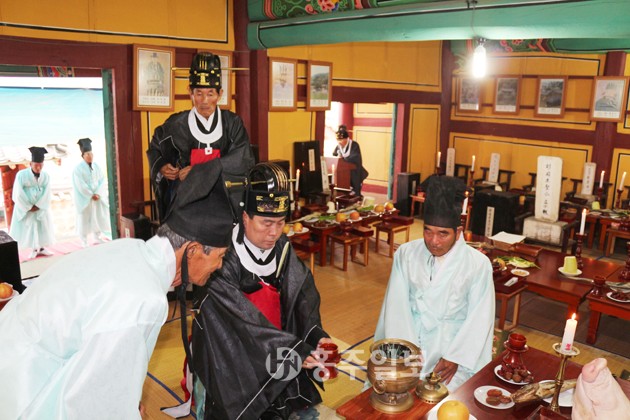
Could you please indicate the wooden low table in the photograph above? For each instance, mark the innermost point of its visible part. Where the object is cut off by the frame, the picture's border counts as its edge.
(599, 305)
(613, 234)
(504, 298)
(542, 365)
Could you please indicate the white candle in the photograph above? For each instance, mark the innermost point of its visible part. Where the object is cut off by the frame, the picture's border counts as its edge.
(472, 167)
(623, 181)
(465, 206)
(297, 180)
(569, 334)
(439, 157)
(583, 222)
(601, 180)
(333, 173)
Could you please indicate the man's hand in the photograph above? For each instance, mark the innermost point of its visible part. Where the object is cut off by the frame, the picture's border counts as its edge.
(34, 208)
(446, 370)
(312, 362)
(169, 172)
(183, 173)
(95, 197)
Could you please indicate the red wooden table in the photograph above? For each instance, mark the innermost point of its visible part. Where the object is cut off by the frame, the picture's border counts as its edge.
(543, 366)
(599, 305)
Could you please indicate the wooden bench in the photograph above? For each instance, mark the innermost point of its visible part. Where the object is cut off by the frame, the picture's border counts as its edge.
(350, 242)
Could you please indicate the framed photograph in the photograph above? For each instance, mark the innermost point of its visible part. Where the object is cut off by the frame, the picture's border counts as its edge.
(610, 95)
(507, 94)
(318, 86)
(226, 77)
(282, 84)
(550, 97)
(153, 78)
(469, 94)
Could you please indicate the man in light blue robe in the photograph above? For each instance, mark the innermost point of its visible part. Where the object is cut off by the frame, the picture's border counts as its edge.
(76, 344)
(31, 224)
(90, 196)
(440, 294)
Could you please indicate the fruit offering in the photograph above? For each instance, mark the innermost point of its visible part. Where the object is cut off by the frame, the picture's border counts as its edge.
(453, 410)
(516, 374)
(6, 290)
(496, 397)
(355, 215)
(297, 227)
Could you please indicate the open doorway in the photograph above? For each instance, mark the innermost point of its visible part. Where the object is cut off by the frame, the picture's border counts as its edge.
(371, 126)
(52, 112)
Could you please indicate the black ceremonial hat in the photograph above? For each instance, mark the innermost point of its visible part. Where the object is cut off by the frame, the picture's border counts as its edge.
(205, 71)
(342, 132)
(268, 191)
(37, 154)
(443, 201)
(85, 145)
(201, 210)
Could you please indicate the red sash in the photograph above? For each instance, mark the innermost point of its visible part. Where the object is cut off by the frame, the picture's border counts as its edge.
(267, 300)
(198, 156)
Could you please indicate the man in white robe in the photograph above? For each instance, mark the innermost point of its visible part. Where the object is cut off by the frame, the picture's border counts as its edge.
(76, 344)
(440, 294)
(90, 196)
(31, 225)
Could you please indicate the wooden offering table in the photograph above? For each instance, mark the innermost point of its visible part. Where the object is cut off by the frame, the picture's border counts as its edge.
(599, 305)
(542, 365)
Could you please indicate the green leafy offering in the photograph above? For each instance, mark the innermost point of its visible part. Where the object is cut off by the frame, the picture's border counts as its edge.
(366, 208)
(327, 217)
(518, 262)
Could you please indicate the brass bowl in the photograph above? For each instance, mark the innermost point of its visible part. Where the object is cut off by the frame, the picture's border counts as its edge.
(393, 369)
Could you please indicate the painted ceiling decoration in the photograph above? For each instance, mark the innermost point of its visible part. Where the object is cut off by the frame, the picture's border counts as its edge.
(542, 25)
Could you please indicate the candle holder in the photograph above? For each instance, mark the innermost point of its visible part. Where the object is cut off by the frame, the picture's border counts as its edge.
(471, 180)
(297, 213)
(463, 218)
(578, 249)
(564, 356)
(624, 275)
(618, 200)
(332, 191)
(599, 194)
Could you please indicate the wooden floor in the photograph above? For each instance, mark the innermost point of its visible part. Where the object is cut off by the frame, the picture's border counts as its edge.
(351, 303)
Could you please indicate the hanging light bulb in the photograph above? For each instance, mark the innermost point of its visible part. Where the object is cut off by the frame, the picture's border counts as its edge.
(479, 62)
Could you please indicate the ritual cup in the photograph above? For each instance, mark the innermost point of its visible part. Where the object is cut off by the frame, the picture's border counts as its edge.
(517, 341)
(328, 354)
(570, 265)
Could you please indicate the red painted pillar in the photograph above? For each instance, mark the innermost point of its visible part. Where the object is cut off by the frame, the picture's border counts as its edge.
(8, 178)
(347, 117)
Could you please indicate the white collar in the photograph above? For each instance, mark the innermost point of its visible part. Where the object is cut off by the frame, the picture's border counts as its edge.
(211, 137)
(246, 259)
(163, 251)
(345, 151)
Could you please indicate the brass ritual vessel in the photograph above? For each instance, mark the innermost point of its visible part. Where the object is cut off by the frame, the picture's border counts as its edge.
(431, 390)
(393, 370)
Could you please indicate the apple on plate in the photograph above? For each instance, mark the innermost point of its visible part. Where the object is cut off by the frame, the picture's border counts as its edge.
(355, 215)
(341, 217)
(286, 229)
(297, 227)
(379, 208)
(389, 206)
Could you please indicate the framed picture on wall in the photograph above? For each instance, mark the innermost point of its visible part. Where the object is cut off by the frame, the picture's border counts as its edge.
(153, 78)
(469, 94)
(610, 95)
(550, 97)
(507, 93)
(318, 86)
(226, 77)
(282, 84)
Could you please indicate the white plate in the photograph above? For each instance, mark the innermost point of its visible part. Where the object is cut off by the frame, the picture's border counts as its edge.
(291, 232)
(609, 295)
(481, 394)
(577, 273)
(15, 293)
(520, 272)
(565, 399)
(356, 220)
(432, 415)
(509, 381)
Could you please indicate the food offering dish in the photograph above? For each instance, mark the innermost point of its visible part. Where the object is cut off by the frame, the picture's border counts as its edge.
(520, 272)
(619, 296)
(503, 372)
(15, 293)
(577, 273)
(303, 231)
(565, 399)
(432, 415)
(494, 397)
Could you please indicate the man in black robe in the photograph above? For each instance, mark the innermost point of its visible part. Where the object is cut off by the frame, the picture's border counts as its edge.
(351, 152)
(258, 323)
(203, 133)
